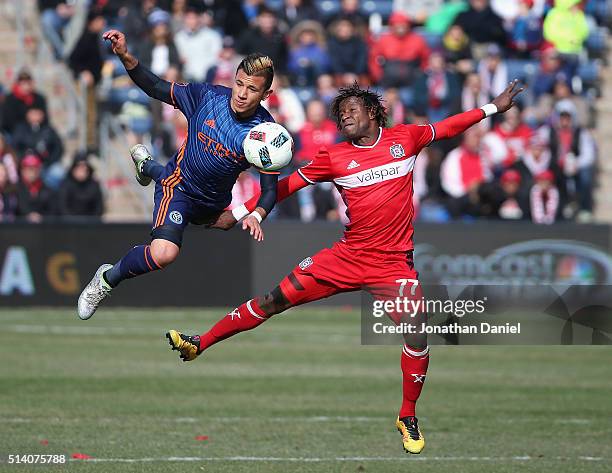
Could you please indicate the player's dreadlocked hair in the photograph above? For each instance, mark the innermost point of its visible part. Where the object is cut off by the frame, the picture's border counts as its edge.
(371, 100)
(260, 65)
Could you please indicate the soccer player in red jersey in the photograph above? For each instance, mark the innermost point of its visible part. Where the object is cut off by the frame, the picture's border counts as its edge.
(372, 170)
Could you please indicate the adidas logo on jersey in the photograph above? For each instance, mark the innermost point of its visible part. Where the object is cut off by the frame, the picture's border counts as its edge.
(353, 164)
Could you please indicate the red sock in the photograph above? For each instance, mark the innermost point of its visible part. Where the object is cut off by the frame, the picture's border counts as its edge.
(414, 368)
(245, 317)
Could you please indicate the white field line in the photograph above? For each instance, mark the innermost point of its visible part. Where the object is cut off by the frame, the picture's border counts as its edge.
(194, 420)
(67, 330)
(279, 419)
(82, 328)
(525, 458)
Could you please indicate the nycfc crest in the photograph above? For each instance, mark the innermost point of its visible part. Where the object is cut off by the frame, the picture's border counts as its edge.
(397, 151)
(176, 217)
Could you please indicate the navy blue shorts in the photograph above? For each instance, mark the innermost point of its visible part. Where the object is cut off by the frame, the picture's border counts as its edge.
(174, 210)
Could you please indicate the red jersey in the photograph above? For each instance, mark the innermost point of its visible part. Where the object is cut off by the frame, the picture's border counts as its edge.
(376, 184)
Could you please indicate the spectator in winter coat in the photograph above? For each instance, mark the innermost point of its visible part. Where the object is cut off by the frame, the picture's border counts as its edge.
(308, 57)
(265, 37)
(398, 56)
(80, 194)
(35, 200)
(293, 12)
(526, 32)
(437, 92)
(37, 134)
(551, 71)
(565, 26)
(347, 50)
(574, 150)
(482, 24)
(20, 100)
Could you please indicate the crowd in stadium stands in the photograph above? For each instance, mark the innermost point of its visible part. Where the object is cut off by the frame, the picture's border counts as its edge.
(428, 59)
(33, 183)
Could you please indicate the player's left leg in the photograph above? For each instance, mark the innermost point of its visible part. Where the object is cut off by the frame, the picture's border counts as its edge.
(318, 280)
(393, 277)
(172, 213)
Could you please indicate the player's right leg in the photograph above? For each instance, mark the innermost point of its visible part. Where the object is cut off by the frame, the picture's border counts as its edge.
(171, 215)
(306, 283)
(389, 278)
(146, 167)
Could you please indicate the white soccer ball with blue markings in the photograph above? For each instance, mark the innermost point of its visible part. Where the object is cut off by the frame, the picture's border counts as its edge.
(268, 146)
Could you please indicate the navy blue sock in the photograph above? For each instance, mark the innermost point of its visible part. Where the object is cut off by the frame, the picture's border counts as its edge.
(152, 169)
(137, 261)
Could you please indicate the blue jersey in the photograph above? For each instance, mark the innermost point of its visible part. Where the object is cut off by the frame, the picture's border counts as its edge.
(209, 162)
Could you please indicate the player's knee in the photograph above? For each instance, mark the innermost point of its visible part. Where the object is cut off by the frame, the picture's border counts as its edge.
(416, 341)
(164, 252)
(274, 302)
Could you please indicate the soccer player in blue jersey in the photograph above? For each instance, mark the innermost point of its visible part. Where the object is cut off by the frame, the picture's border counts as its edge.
(196, 185)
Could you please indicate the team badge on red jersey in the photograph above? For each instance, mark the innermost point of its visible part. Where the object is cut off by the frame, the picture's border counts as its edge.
(305, 263)
(397, 151)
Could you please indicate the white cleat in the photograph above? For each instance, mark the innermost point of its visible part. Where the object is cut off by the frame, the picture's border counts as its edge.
(94, 293)
(140, 154)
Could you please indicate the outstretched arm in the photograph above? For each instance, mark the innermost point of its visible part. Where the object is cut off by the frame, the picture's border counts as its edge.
(151, 84)
(286, 186)
(265, 203)
(457, 124)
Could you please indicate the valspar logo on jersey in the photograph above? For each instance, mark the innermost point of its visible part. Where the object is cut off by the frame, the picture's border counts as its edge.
(525, 263)
(377, 174)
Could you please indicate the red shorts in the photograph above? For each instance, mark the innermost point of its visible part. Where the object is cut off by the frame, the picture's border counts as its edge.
(342, 269)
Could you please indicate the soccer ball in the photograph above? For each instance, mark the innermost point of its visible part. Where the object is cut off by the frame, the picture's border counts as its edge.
(268, 146)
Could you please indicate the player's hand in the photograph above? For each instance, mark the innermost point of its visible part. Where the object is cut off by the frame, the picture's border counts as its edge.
(251, 224)
(505, 100)
(118, 42)
(224, 221)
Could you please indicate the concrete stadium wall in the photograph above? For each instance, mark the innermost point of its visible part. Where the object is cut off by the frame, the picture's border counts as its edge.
(47, 265)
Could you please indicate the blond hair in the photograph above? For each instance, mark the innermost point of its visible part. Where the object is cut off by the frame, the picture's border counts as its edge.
(260, 65)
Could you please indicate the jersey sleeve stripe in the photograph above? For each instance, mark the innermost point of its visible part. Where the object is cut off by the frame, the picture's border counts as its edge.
(304, 177)
(433, 134)
(268, 172)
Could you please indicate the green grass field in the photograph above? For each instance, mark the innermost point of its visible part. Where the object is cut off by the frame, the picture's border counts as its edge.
(299, 394)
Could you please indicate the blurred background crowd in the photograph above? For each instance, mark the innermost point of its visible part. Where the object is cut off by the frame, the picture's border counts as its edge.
(428, 59)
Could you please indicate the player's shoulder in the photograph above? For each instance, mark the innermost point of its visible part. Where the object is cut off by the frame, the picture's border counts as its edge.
(202, 89)
(262, 115)
(341, 147)
(412, 129)
(401, 128)
(220, 90)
